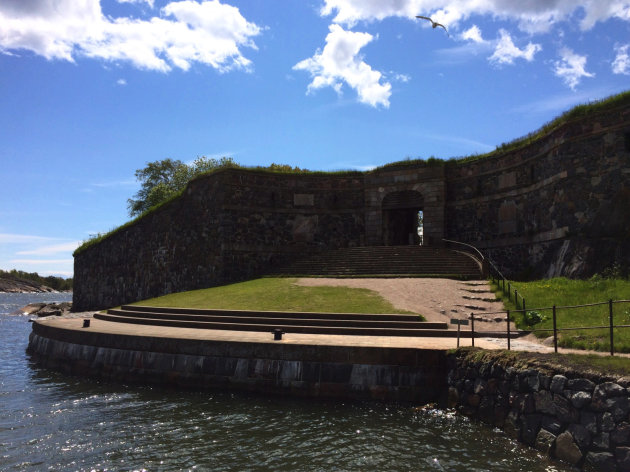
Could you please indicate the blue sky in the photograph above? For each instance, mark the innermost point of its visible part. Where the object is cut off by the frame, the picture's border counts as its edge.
(92, 90)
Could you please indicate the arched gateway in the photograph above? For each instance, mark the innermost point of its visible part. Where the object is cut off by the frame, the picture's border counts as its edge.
(402, 220)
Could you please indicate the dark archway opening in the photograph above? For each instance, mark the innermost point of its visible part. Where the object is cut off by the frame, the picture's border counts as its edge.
(403, 218)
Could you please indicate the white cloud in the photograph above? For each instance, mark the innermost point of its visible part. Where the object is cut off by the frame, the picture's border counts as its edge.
(621, 64)
(473, 34)
(404, 78)
(532, 16)
(339, 62)
(571, 68)
(506, 52)
(187, 31)
(148, 2)
(51, 249)
(44, 252)
(561, 103)
(121, 82)
(41, 261)
(12, 238)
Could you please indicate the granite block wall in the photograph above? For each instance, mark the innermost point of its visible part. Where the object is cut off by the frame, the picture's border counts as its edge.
(229, 226)
(580, 419)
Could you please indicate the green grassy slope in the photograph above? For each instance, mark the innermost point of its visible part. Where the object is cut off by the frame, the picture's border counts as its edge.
(569, 292)
(279, 294)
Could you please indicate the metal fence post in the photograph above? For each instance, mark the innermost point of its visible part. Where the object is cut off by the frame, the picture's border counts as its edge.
(555, 331)
(516, 298)
(508, 329)
(472, 328)
(610, 313)
(509, 291)
(524, 309)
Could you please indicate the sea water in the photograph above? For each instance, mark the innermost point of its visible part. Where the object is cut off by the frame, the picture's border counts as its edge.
(50, 421)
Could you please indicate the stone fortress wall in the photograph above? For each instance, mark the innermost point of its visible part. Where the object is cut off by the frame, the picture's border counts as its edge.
(559, 206)
(226, 227)
(556, 207)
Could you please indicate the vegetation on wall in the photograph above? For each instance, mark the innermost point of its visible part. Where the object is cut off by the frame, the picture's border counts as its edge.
(575, 113)
(162, 180)
(56, 283)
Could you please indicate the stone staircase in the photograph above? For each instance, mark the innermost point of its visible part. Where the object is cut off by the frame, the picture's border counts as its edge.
(392, 261)
(287, 322)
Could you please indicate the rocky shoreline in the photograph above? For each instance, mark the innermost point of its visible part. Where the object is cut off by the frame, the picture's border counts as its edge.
(17, 285)
(42, 309)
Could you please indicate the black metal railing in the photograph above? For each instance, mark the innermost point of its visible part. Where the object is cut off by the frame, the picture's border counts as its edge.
(491, 271)
(610, 326)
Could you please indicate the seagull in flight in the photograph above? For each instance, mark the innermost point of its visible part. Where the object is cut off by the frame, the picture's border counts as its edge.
(434, 24)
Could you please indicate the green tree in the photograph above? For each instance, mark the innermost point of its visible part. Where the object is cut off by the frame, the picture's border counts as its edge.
(162, 179)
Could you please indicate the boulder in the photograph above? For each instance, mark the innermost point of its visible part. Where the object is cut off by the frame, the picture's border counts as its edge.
(567, 450)
(601, 461)
(607, 390)
(581, 384)
(580, 399)
(544, 441)
(557, 383)
(622, 454)
(47, 309)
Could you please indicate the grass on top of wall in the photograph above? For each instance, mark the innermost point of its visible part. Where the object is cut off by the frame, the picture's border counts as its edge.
(560, 292)
(561, 363)
(278, 294)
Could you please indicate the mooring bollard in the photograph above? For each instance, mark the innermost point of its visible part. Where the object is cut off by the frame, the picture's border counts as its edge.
(86, 323)
(277, 334)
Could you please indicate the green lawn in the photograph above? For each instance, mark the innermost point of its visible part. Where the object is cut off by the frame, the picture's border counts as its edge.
(280, 294)
(565, 292)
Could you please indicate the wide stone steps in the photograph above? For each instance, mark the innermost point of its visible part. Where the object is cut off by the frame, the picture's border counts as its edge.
(287, 322)
(419, 261)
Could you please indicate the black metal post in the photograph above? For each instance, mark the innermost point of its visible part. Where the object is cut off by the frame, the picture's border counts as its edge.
(555, 331)
(610, 312)
(516, 298)
(509, 291)
(472, 328)
(503, 285)
(508, 329)
(524, 309)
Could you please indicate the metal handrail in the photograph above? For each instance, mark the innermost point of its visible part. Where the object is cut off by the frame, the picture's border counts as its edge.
(488, 268)
(483, 258)
(467, 245)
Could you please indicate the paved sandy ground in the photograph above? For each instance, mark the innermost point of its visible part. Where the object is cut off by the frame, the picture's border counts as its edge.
(435, 299)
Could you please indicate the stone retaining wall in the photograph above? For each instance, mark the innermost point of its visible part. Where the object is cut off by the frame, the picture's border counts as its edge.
(577, 418)
(344, 372)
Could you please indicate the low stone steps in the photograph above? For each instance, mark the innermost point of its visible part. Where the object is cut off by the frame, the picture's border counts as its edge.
(412, 261)
(313, 323)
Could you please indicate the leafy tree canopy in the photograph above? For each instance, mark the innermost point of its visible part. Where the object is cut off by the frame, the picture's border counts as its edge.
(162, 179)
